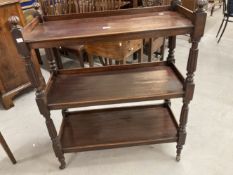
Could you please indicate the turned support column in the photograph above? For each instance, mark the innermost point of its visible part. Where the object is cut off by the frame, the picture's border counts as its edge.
(52, 54)
(38, 83)
(189, 86)
(49, 52)
(171, 57)
(171, 45)
(189, 90)
(41, 102)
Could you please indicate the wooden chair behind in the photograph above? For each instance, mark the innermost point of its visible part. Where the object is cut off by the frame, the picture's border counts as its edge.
(118, 51)
(154, 45)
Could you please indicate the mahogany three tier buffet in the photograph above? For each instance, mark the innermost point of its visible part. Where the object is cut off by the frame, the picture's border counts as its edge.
(74, 88)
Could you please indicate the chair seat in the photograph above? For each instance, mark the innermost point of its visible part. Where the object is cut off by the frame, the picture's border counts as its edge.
(156, 44)
(75, 47)
(122, 4)
(114, 50)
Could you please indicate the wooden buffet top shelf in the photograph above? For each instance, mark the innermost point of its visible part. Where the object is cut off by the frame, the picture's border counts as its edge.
(110, 25)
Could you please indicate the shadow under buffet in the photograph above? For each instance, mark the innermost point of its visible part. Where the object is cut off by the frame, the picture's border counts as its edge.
(96, 129)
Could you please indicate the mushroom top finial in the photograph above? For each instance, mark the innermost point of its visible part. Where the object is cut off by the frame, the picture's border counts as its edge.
(13, 20)
(201, 4)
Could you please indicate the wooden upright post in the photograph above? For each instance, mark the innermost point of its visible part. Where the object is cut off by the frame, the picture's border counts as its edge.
(200, 18)
(39, 84)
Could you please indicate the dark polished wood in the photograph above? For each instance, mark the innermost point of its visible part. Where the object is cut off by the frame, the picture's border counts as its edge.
(131, 125)
(13, 76)
(7, 149)
(108, 28)
(199, 23)
(150, 82)
(112, 50)
(141, 81)
(190, 4)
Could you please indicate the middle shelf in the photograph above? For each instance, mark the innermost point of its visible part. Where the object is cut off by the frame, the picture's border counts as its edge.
(114, 84)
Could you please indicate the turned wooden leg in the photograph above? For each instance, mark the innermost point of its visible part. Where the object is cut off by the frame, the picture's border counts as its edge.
(150, 49)
(37, 51)
(162, 50)
(171, 51)
(171, 57)
(79, 54)
(90, 60)
(212, 10)
(189, 87)
(103, 61)
(182, 129)
(110, 61)
(140, 55)
(40, 99)
(56, 142)
(135, 56)
(81, 59)
(7, 149)
(117, 62)
(39, 84)
(57, 58)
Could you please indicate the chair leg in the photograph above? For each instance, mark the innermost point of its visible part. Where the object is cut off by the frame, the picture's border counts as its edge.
(102, 60)
(81, 61)
(140, 55)
(80, 58)
(220, 27)
(223, 30)
(90, 60)
(106, 61)
(150, 53)
(110, 61)
(57, 58)
(135, 55)
(212, 10)
(162, 50)
(37, 51)
(7, 149)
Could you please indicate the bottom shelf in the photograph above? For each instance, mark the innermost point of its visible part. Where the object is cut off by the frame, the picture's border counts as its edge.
(118, 127)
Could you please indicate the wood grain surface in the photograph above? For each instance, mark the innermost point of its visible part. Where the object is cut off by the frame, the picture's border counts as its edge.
(113, 86)
(119, 127)
(109, 26)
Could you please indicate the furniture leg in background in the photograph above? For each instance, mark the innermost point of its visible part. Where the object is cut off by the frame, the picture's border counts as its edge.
(7, 149)
(227, 12)
(13, 76)
(213, 4)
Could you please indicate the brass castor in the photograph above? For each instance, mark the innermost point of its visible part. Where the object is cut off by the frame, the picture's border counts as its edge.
(178, 158)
